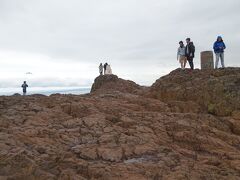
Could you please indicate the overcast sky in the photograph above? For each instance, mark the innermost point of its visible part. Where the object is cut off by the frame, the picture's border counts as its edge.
(62, 42)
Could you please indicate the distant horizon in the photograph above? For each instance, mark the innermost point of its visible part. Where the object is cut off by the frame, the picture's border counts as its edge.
(45, 90)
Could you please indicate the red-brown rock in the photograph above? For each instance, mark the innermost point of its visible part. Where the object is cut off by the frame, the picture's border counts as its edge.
(124, 131)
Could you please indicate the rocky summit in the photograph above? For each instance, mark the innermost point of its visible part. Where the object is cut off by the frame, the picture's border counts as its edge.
(185, 126)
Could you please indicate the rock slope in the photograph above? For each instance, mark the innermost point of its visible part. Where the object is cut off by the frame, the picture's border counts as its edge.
(216, 91)
(122, 134)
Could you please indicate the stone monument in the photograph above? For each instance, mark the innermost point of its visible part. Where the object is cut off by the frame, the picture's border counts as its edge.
(207, 60)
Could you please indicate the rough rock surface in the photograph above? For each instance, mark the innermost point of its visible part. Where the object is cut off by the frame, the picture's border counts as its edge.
(110, 83)
(216, 91)
(120, 135)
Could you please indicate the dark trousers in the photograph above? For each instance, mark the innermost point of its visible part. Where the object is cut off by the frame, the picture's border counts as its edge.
(190, 61)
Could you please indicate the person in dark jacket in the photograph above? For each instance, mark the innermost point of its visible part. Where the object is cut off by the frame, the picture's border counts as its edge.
(24, 86)
(219, 47)
(101, 69)
(190, 52)
(105, 67)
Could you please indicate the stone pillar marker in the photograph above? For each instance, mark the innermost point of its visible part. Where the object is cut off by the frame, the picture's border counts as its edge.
(207, 60)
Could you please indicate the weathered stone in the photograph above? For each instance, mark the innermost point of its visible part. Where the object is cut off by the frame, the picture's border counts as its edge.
(207, 60)
(113, 154)
(236, 115)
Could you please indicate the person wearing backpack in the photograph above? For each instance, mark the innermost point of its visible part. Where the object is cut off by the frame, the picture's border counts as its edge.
(181, 55)
(190, 52)
(219, 47)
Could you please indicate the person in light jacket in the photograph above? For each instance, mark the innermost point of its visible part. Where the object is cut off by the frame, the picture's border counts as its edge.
(181, 55)
(219, 47)
(108, 69)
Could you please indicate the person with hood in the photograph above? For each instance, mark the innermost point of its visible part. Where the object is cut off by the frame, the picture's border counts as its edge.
(190, 52)
(181, 55)
(101, 69)
(24, 86)
(105, 67)
(219, 47)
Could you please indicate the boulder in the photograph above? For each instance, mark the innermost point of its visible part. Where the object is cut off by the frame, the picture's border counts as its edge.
(110, 83)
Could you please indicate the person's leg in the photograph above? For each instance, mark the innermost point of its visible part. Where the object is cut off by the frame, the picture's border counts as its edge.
(181, 61)
(192, 64)
(190, 61)
(217, 60)
(222, 60)
(185, 62)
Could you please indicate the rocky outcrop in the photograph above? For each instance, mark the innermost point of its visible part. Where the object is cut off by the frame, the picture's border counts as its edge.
(215, 91)
(118, 135)
(111, 83)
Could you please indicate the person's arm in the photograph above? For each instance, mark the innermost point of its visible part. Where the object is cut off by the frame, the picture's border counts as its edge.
(186, 51)
(224, 46)
(178, 52)
(191, 50)
(215, 46)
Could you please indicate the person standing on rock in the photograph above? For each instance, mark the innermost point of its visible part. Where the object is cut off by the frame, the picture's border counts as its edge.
(24, 86)
(101, 69)
(105, 67)
(181, 55)
(189, 52)
(219, 47)
(108, 69)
